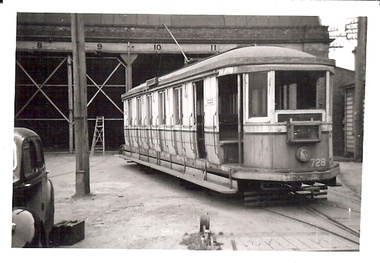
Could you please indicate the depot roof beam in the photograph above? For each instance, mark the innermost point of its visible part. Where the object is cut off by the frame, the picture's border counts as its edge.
(118, 48)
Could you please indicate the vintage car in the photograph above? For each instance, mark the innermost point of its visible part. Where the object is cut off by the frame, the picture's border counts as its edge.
(33, 192)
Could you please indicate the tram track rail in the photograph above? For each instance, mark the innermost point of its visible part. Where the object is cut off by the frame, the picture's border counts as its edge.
(306, 201)
(345, 233)
(340, 207)
(353, 196)
(333, 221)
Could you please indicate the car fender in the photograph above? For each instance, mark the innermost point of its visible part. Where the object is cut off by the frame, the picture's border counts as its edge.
(50, 207)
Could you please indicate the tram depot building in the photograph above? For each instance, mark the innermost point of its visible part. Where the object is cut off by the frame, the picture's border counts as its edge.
(124, 50)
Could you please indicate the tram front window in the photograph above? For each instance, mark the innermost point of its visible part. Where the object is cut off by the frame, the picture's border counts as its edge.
(300, 90)
(257, 94)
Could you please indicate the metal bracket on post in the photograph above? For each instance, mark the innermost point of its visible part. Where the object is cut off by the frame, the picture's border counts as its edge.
(128, 59)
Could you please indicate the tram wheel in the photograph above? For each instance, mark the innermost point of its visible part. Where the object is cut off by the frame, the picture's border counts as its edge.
(204, 223)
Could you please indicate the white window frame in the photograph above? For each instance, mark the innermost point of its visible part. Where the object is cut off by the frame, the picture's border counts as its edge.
(163, 117)
(139, 111)
(270, 99)
(326, 116)
(178, 105)
(149, 108)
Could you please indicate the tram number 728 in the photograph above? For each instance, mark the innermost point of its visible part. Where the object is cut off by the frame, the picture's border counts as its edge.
(318, 162)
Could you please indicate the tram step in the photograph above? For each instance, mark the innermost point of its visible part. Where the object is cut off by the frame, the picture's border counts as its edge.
(187, 177)
(209, 185)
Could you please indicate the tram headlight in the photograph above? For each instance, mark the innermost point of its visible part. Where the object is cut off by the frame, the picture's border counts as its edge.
(301, 132)
(303, 154)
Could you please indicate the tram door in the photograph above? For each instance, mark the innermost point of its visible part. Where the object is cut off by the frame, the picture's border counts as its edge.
(229, 118)
(200, 113)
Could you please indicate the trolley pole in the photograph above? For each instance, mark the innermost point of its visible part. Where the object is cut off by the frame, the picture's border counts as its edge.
(360, 70)
(82, 179)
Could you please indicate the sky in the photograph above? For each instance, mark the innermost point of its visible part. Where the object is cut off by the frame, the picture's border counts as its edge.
(343, 52)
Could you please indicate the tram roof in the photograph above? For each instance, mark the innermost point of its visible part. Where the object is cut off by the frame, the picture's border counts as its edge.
(252, 55)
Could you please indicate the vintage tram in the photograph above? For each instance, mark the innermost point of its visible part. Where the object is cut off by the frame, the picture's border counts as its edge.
(253, 119)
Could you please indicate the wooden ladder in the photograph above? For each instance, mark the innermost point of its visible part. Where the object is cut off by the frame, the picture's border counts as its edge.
(98, 142)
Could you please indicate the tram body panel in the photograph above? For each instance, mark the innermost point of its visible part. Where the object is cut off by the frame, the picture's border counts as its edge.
(155, 138)
(188, 143)
(144, 137)
(212, 146)
(271, 151)
(188, 128)
(163, 140)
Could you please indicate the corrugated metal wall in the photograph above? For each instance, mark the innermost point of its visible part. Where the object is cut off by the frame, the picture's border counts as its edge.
(349, 122)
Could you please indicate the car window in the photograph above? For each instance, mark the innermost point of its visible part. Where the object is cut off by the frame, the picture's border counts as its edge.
(29, 159)
(39, 154)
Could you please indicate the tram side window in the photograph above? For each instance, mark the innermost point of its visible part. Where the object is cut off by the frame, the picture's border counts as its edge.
(198, 88)
(138, 110)
(162, 107)
(178, 107)
(257, 94)
(149, 115)
(300, 90)
(228, 95)
(130, 113)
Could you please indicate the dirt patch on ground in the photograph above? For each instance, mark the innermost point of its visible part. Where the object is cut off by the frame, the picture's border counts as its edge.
(200, 241)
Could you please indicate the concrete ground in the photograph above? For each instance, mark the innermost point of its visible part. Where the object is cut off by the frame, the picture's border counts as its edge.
(132, 209)
(351, 176)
